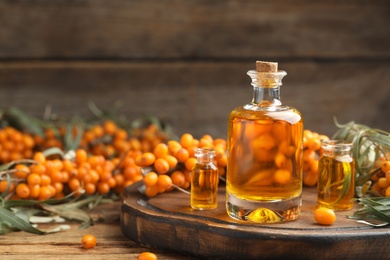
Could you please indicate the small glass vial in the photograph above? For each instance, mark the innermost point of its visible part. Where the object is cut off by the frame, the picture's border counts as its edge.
(204, 180)
(336, 176)
(265, 147)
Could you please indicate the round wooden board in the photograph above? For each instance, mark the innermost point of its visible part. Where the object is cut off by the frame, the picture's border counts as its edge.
(168, 222)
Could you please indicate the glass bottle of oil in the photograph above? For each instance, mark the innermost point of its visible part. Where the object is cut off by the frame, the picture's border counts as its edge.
(336, 176)
(265, 145)
(204, 180)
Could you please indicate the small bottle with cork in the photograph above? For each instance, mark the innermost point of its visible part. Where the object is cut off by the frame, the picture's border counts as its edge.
(204, 180)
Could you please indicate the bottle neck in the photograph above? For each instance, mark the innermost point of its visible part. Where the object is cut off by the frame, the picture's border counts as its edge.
(266, 90)
(266, 97)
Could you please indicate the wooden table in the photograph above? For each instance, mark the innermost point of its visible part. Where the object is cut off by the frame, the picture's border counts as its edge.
(111, 243)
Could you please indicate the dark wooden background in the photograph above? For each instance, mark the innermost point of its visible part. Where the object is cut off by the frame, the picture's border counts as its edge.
(186, 61)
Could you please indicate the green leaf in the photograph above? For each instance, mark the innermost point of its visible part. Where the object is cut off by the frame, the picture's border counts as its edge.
(9, 218)
(22, 121)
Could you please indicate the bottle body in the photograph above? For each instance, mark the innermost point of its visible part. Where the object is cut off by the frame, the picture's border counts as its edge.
(265, 163)
(336, 176)
(204, 181)
(265, 148)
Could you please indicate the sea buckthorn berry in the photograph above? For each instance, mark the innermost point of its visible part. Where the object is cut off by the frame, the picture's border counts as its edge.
(186, 140)
(34, 190)
(39, 157)
(172, 161)
(145, 159)
(109, 127)
(150, 179)
(161, 165)
(81, 156)
(45, 180)
(385, 166)
(152, 191)
(182, 154)
(173, 146)
(178, 178)
(164, 182)
(22, 190)
(21, 171)
(45, 193)
(189, 163)
(324, 216)
(147, 256)
(33, 179)
(103, 187)
(160, 150)
(382, 182)
(282, 176)
(90, 188)
(88, 241)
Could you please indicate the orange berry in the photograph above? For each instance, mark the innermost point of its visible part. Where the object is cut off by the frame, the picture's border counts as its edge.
(182, 154)
(310, 179)
(90, 188)
(324, 216)
(150, 179)
(21, 171)
(385, 166)
(119, 179)
(88, 241)
(34, 190)
(387, 175)
(22, 190)
(173, 146)
(109, 127)
(178, 178)
(39, 157)
(189, 163)
(33, 179)
(81, 156)
(164, 182)
(38, 168)
(382, 183)
(160, 150)
(387, 192)
(74, 184)
(161, 165)
(145, 159)
(282, 176)
(45, 193)
(147, 256)
(313, 144)
(222, 161)
(186, 140)
(58, 186)
(45, 180)
(111, 182)
(152, 191)
(103, 187)
(172, 161)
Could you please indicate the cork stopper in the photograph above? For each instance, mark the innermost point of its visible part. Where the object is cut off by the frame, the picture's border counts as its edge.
(266, 66)
(267, 74)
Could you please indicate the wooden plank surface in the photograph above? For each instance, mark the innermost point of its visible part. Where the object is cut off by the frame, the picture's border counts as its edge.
(212, 234)
(194, 29)
(186, 61)
(111, 243)
(198, 97)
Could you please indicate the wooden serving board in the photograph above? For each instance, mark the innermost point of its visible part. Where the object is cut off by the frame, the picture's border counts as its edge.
(168, 222)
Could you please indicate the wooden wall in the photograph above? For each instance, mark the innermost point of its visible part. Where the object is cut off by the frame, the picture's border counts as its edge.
(186, 61)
